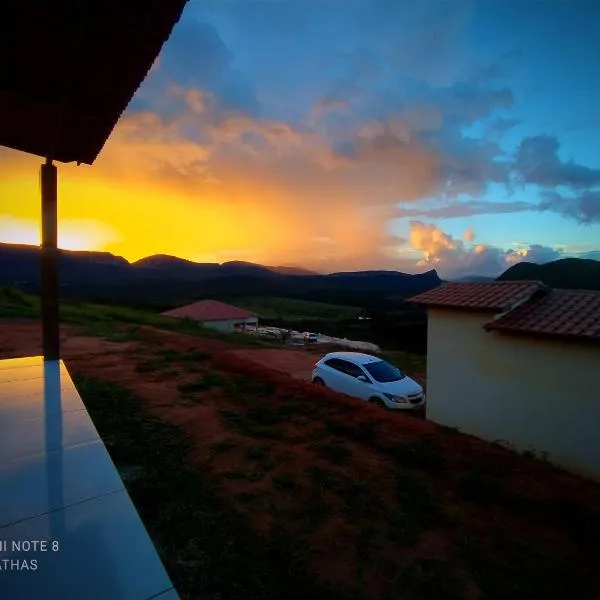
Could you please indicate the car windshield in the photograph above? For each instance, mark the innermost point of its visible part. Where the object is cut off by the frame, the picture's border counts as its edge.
(382, 372)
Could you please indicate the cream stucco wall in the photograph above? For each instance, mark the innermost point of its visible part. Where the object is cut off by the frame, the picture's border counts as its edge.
(228, 325)
(534, 393)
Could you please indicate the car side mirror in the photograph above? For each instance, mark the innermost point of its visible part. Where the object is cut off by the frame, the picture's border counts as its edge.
(363, 378)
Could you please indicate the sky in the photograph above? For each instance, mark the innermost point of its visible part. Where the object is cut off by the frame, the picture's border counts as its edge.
(347, 135)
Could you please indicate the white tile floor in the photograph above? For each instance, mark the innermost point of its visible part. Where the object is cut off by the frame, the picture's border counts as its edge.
(59, 485)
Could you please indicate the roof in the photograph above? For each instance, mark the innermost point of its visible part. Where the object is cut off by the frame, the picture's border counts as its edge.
(493, 296)
(571, 314)
(74, 67)
(209, 310)
(359, 358)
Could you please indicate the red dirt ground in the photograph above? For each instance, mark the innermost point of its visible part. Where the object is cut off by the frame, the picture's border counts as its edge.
(525, 500)
(296, 363)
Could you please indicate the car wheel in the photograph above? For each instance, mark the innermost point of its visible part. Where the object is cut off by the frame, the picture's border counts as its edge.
(377, 402)
(319, 381)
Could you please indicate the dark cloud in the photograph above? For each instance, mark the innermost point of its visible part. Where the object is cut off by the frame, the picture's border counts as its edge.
(584, 208)
(397, 110)
(537, 162)
(465, 209)
(498, 128)
(470, 102)
(196, 57)
(432, 40)
(470, 164)
(501, 68)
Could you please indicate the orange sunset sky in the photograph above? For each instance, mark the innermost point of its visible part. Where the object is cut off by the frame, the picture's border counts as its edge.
(387, 135)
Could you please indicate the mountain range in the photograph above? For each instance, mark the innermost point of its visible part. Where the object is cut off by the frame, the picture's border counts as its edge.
(102, 275)
(168, 279)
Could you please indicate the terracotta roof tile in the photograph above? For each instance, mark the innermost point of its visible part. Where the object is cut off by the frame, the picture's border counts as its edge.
(209, 310)
(495, 295)
(565, 313)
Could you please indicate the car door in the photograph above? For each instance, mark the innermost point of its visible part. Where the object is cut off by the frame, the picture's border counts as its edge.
(346, 378)
(354, 386)
(333, 374)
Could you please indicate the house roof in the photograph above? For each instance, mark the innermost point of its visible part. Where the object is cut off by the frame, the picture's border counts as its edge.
(493, 296)
(74, 67)
(571, 314)
(209, 310)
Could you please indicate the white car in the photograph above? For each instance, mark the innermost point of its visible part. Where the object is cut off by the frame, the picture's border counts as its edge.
(369, 378)
(310, 337)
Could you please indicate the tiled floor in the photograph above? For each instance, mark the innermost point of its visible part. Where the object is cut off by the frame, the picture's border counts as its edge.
(58, 485)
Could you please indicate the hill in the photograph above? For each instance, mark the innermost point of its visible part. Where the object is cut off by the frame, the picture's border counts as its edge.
(168, 279)
(261, 485)
(566, 273)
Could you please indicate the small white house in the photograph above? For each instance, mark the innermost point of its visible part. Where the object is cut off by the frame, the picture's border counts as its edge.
(216, 315)
(518, 363)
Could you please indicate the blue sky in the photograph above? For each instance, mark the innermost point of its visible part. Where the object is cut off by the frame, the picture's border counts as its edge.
(360, 134)
(471, 82)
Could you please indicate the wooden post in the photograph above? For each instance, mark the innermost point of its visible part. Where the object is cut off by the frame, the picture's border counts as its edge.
(49, 254)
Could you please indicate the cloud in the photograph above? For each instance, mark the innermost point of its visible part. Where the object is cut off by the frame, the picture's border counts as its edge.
(500, 68)
(323, 107)
(411, 167)
(465, 208)
(498, 128)
(469, 235)
(535, 253)
(291, 131)
(195, 56)
(584, 207)
(432, 44)
(537, 162)
(591, 255)
(453, 258)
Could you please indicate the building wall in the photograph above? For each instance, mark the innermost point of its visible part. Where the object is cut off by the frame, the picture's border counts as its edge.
(533, 393)
(229, 325)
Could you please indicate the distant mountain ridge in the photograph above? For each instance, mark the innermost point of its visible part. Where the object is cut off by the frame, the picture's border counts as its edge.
(164, 261)
(565, 273)
(103, 275)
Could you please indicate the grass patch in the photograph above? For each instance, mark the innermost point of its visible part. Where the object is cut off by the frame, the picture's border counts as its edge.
(364, 432)
(288, 309)
(416, 510)
(246, 423)
(222, 447)
(235, 474)
(207, 550)
(423, 454)
(257, 452)
(167, 374)
(164, 363)
(446, 429)
(527, 574)
(283, 483)
(204, 382)
(111, 322)
(478, 486)
(240, 388)
(332, 451)
(429, 579)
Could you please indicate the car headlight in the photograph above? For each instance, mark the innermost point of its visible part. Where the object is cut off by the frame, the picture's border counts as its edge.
(398, 399)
